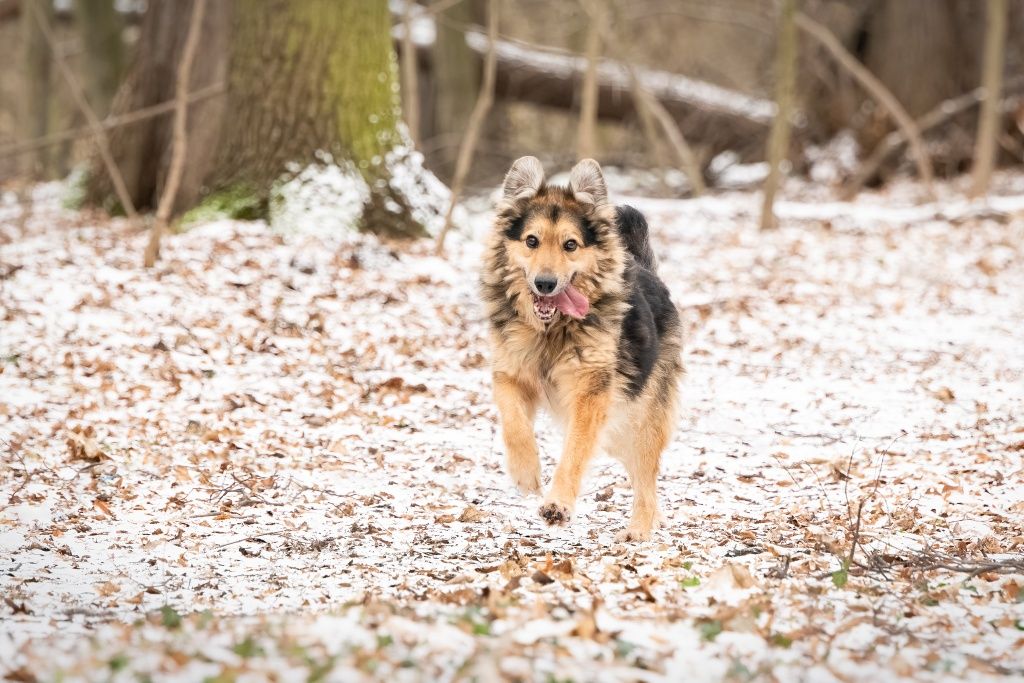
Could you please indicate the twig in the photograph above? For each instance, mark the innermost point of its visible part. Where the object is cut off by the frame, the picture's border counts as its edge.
(476, 119)
(179, 136)
(877, 90)
(113, 121)
(856, 532)
(254, 538)
(99, 134)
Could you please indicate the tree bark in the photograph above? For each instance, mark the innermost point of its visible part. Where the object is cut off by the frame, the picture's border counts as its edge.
(785, 79)
(992, 82)
(35, 113)
(100, 27)
(142, 149)
(304, 78)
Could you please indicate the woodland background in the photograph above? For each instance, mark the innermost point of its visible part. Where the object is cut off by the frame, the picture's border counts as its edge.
(246, 429)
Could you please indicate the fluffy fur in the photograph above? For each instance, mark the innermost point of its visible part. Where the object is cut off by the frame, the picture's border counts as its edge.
(609, 377)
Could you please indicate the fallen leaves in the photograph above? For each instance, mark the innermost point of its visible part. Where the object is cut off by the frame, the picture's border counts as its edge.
(339, 420)
(82, 445)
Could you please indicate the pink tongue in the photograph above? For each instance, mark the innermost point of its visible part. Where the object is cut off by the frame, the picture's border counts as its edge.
(570, 302)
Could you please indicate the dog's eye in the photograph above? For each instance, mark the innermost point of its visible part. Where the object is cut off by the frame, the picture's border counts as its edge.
(570, 245)
(532, 242)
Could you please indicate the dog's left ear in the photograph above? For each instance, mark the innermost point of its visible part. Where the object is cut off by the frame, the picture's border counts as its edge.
(586, 182)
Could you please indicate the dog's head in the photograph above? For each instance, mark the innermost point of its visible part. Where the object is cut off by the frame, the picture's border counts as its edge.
(557, 240)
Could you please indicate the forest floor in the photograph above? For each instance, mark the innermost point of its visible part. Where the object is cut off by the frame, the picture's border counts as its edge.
(278, 456)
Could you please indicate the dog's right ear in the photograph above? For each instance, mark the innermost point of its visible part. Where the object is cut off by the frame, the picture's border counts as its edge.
(523, 180)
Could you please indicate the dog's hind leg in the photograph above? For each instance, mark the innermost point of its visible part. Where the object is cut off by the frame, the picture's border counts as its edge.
(590, 411)
(517, 404)
(642, 459)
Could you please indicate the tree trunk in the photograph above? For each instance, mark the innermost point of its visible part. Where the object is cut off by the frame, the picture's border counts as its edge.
(992, 82)
(142, 149)
(306, 80)
(456, 81)
(778, 140)
(35, 114)
(100, 27)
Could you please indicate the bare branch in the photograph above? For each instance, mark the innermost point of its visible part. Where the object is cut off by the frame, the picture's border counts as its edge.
(877, 90)
(179, 136)
(99, 134)
(114, 121)
(476, 120)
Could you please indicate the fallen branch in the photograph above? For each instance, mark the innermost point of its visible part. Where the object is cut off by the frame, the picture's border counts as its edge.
(77, 92)
(476, 121)
(179, 136)
(109, 123)
(877, 90)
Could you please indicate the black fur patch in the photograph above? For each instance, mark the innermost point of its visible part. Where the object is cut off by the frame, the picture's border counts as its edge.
(514, 231)
(651, 315)
(591, 236)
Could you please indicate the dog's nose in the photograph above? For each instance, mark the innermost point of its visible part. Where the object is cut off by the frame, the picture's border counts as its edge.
(545, 284)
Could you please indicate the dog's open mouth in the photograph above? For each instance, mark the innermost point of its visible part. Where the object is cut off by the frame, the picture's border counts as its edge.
(569, 301)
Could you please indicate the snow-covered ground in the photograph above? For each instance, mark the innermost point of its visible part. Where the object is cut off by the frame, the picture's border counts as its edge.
(278, 455)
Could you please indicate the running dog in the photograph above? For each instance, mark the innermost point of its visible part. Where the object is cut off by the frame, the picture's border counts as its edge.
(581, 324)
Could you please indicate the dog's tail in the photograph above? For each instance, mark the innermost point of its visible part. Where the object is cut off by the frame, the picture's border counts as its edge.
(633, 229)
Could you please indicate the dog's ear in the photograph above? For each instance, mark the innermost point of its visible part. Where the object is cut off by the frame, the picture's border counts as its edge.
(523, 180)
(586, 182)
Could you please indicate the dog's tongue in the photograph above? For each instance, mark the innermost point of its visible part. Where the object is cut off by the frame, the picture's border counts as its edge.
(570, 302)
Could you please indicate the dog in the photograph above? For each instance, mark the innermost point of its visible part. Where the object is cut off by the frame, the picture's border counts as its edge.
(580, 324)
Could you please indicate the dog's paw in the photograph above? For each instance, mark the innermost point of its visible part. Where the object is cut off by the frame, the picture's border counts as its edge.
(555, 513)
(527, 482)
(633, 535)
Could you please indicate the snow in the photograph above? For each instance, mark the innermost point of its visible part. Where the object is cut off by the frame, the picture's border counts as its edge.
(288, 439)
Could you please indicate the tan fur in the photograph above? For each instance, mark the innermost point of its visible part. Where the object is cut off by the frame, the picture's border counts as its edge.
(566, 366)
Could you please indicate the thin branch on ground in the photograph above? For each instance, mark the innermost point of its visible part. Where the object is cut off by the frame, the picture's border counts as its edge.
(179, 136)
(476, 120)
(78, 93)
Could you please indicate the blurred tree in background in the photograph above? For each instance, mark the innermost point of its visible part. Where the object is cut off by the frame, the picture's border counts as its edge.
(683, 89)
(302, 78)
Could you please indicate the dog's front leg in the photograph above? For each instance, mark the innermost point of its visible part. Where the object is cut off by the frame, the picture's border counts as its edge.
(589, 412)
(517, 404)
